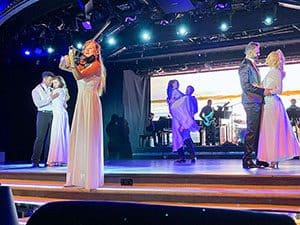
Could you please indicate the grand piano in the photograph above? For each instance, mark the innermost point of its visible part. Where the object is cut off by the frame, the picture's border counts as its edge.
(163, 130)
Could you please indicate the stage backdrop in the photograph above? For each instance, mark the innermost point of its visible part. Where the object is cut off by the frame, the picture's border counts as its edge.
(221, 86)
(136, 95)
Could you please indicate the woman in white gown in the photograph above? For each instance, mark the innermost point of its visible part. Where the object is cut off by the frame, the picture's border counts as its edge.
(85, 161)
(277, 141)
(60, 131)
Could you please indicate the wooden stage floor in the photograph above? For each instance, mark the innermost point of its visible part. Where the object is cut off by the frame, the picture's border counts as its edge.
(217, 183)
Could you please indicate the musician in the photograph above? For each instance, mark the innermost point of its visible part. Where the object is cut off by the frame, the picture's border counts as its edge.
(86, 159)
(294, 115)
(293, 112)
(207, 115)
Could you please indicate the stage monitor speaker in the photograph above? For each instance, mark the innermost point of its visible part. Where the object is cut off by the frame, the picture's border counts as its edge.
(118, 213)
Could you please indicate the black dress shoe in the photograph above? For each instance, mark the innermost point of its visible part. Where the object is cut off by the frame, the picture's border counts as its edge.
(180, 161)
(261, 163)
(35, 165)
(193, 160)
(249, 164)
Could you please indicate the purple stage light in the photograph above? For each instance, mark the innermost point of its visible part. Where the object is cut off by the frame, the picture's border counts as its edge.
(164, 22)
(130, 19)
(87, 25)
(223, 6)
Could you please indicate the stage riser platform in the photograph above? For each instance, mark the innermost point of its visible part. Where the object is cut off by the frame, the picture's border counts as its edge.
(222, 197)
(170, 179)
(208, 182)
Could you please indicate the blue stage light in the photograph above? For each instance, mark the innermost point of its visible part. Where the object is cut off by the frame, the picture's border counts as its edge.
(182, 31)
(50, 50)
(79, 45)
(146, 36)
(111, 41)
(27, 53)
(268, 20)
(224, 26)
(38, 51)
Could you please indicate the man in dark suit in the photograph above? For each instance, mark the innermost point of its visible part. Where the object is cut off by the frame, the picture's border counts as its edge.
(252, 100)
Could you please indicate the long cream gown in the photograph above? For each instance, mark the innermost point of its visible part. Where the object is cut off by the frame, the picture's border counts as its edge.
(85, 162)
(60, 130)
(277, 141)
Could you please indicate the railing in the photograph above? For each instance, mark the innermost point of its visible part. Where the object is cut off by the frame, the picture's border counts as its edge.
(13, 8)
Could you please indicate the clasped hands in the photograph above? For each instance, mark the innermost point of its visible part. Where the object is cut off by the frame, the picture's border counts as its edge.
(267, 91)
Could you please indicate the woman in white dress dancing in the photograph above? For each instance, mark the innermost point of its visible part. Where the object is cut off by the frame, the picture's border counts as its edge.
(277, 141)
(60, 130)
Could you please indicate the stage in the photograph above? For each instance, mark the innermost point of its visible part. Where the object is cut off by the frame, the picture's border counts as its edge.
(218, 183)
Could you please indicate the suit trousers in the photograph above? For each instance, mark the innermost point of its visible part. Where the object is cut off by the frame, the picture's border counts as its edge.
(253, 113)
(42, 140)
(190, 148)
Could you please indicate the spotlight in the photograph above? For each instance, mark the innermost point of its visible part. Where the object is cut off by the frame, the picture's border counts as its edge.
(224, 26)
(268, 20)
(27, 53)
(87, 25)
(223, 5)
(79, 45)
(182, 31)
(50, 50)
(38, 51)
(111, 41)
(146, 36)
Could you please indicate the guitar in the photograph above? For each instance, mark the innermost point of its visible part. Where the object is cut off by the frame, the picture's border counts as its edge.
(209, 119)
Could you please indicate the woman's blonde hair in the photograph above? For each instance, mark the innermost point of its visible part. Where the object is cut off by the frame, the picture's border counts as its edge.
(102, 86)
(63, 85)
(273, 59)
(276, 59)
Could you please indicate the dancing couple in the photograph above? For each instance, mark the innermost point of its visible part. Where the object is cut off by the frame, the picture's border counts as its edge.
(182, 108)
(269, 133)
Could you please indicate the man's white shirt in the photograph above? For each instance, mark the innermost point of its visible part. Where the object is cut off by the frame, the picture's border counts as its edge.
(41, 97)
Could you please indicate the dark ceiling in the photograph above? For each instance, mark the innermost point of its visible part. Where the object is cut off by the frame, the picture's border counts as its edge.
(59, 23)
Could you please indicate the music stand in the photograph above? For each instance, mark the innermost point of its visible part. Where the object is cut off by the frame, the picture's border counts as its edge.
(222, 114)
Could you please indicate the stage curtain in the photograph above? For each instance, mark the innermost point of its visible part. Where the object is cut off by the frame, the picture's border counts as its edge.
(136, 101)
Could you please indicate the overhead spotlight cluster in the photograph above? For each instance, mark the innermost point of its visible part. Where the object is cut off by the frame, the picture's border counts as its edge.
(38, 51)
(44, 50)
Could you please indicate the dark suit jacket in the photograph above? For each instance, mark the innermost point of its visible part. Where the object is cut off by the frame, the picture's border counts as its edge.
(249, 76)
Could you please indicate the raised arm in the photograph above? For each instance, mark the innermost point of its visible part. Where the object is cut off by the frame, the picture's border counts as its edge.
(38, 101)
(64, 63)
(79, 72)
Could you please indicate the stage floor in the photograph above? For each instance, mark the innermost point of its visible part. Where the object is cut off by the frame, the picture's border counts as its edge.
(217, 183)
(202, 166)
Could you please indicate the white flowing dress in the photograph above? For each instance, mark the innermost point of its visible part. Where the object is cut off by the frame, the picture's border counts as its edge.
(86, 163)
(277, 141)
(180, 109)
(60, 130)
